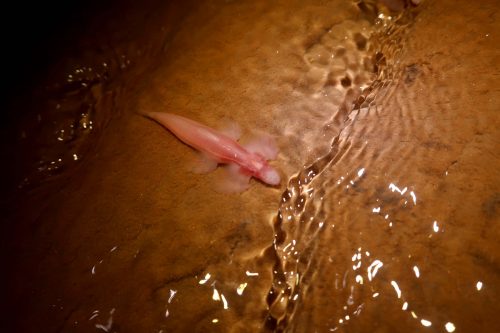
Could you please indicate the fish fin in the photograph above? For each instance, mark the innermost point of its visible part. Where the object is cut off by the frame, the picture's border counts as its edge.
(264, 146)
(232, 180)
(231, 129)
(203, 163)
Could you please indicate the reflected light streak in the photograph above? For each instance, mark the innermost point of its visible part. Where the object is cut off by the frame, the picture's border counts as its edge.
(361, 172)
(425, 323)
(94, 314)
(394, 188)
(414, 197)
(251, 273)
(435, 226)
(479, 285)
(172, 294)
(396, 288)
(224, 302)
(376, 210)
(373, 269)
(241, 288)
(205, 279)
(417, 271)
(450, 327)
(358, 309)
(109, 324)
(216, 296)
(405, 306)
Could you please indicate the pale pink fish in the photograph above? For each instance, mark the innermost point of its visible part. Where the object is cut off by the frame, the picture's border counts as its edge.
(242, 162)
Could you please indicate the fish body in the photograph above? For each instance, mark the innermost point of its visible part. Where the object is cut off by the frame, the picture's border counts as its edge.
(222, 148)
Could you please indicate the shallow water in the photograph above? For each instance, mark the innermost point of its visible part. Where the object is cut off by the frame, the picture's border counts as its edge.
(387, 218)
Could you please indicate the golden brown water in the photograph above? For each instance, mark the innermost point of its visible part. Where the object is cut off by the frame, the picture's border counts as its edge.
(387, 218)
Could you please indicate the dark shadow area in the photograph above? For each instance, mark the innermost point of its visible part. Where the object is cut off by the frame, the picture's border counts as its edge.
(35, 33)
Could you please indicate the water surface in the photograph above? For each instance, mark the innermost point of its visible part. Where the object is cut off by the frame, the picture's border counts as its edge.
(387, 218)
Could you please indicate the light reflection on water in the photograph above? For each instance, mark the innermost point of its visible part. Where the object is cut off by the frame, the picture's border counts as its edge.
(363, 235)
(301, 210)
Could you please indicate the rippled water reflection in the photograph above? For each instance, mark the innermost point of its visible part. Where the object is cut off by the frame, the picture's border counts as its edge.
(387, 220)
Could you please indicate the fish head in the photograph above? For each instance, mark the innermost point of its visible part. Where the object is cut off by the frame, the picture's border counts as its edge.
(269, 175)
